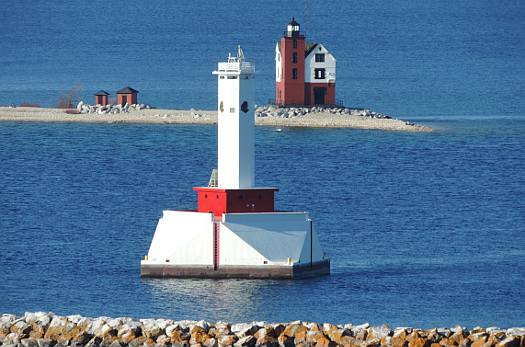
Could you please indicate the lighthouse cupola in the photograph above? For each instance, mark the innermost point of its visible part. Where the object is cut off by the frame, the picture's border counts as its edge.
(293, 29)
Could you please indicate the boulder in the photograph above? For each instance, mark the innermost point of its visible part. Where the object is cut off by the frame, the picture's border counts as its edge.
(57, 327)
(29, 343)
(11, 338)
(177, 337)
(150, 329)
(227, 340)
(293, 329)
(479, 342)
(320, 340)
(399, 337)
(163, 340)
(285, 340)
(21, 328)
(245, 341)
(243, 329)
(516, 331)
(510, 341)
(45, 342)
(418, 342)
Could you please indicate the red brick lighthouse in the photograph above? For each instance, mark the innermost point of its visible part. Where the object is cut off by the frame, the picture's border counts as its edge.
(304, 71)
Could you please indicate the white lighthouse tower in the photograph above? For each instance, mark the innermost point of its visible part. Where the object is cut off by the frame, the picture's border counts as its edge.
(235, 122)
(235, 231)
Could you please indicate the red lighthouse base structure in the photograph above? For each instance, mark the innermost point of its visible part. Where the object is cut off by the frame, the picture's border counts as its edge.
(219, 201)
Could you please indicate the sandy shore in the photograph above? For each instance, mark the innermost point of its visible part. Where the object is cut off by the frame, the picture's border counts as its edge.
(165, 116)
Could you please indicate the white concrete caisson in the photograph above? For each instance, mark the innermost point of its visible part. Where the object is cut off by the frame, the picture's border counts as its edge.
(235, 231)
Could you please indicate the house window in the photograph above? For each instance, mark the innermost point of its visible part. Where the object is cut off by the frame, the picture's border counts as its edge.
(232, 109)
(319, 74)
(294, 43)
(294, 73)
(294, 57)
(319, 57)
(232, 77)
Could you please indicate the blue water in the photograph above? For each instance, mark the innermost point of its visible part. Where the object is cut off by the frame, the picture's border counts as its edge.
(404, 58)
(423, 229)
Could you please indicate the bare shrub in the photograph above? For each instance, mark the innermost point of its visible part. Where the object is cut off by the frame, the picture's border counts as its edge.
(70, 98)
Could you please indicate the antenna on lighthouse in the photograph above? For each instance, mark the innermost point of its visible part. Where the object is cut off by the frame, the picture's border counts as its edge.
(240, 53)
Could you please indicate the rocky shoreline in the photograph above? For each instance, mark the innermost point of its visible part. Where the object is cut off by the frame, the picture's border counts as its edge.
(45, 329)
(273, 116)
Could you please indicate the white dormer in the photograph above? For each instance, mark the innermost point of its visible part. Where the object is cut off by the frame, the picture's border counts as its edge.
(319, 65)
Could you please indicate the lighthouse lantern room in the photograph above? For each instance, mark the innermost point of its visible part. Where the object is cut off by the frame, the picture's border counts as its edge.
(235, 231)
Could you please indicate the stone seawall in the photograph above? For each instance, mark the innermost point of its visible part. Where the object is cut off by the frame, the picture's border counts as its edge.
(41, 329)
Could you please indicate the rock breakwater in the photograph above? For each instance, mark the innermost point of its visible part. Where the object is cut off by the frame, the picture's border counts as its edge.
(293, 112)
(331, 117)
(42, 329)
(110, 108)
(290, 112)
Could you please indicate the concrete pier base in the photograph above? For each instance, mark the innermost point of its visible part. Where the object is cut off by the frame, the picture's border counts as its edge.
(294, 271)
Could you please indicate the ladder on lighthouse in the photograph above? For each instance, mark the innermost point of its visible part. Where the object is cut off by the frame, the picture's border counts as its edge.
(214, 180)
(216, 242)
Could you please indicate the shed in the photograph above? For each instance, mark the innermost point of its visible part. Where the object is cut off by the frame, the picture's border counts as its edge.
(101, 98)
(127, 95)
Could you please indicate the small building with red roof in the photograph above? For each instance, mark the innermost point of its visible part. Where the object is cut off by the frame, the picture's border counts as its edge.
(127, 95)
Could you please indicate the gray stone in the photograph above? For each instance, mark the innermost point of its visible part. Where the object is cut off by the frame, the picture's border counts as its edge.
(361, 326)
(12, 338)
(243, 329)
(7, 318)
(94, 342)
(79, 106)
(45, 342)
(516, 331)
(29, 343)
(21, 328)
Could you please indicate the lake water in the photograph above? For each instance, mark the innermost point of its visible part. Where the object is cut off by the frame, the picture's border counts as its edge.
(404, 58)
(423, 229)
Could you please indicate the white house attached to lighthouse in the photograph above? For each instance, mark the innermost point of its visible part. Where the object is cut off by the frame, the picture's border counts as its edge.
(235, 231)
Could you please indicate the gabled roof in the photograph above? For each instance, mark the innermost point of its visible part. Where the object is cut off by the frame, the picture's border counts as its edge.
(309, 47)
(127, 90)
(101, 93)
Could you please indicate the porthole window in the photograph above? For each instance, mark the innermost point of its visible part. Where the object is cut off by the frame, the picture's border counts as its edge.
(244, 107)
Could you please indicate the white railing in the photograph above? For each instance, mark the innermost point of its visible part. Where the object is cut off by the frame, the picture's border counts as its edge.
(237, 67)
